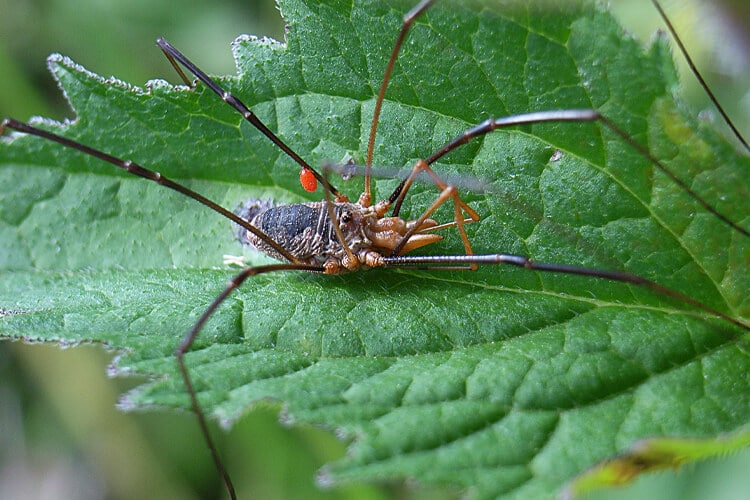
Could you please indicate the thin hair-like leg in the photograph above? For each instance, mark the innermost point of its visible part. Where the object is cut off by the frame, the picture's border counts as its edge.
(570, 115)
(366, 198)
(137, 170)
(190, 337)
(459, 262)
(699, 76)
(175, 57)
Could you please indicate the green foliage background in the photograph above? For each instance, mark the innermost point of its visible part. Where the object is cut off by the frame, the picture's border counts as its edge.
(172, 466)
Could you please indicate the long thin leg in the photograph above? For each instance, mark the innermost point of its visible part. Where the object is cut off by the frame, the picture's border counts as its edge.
(175, 57)
(571, 115)
(460, 206)
(135, 169)
(699, 76)
(190, 337)
(233, 284)
(366, 197)
(683, 185)
(487, 126)
(430, 261)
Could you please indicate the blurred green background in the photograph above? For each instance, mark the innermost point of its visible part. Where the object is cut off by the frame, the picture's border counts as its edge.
(61, 435)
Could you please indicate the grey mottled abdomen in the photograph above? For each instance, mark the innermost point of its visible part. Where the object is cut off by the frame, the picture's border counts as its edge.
(304, 229)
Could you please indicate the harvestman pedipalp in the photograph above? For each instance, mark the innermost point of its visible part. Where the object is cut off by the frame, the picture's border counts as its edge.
(342, 246)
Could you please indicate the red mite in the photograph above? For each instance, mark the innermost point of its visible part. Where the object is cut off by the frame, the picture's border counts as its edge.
(308, 180)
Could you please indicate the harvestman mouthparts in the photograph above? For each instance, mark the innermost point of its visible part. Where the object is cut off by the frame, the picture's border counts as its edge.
(335, 236)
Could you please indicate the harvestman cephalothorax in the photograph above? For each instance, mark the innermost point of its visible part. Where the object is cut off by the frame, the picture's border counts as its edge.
(370, 234)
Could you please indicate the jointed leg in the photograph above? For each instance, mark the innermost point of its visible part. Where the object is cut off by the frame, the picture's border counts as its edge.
(366, 198)
(135, 169)
(447, 192)
(570, 115)
(190, 337)
(175, 57)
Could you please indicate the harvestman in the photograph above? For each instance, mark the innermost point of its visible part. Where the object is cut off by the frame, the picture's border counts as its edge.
(363, 236)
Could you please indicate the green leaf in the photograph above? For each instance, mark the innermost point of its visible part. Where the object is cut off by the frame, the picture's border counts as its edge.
(501, 381)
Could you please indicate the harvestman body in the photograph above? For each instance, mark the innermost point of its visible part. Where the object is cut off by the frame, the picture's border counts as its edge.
(336, 236)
